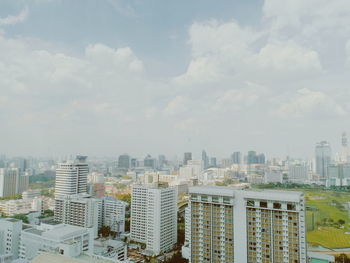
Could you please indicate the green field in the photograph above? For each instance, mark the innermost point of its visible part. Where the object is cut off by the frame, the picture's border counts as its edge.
(327, 209)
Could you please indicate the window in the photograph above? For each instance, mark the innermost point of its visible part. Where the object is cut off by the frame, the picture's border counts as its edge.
(263, 204)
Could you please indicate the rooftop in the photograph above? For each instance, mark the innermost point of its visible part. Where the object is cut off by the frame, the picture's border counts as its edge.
(292, 196)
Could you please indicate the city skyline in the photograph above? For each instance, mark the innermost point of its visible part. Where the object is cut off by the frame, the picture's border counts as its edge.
(132, 75)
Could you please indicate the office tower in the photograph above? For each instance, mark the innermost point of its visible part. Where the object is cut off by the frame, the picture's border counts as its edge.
(298, 173)
(344, 149)
(78, 210)
(12, 182)
(323, 159)
(205, 160)
(213, 162)
(229, 225)
(338, 175)
(133, 162)
(236, 158)
(251, 158)
(10, 233)
(113, 214)
(124, 161)
(254, 158)
(71, 177)
(149, 162)
(162, 161)
(154, 217)
(67, 240)
(187, 157)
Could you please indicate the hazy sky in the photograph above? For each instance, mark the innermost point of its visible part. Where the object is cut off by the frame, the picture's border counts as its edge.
(104, 77)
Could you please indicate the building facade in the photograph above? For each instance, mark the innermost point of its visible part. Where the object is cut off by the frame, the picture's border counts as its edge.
(228, 225)
(154, 217)
(71, 177)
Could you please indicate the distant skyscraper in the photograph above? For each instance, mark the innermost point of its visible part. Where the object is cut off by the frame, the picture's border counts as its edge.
(150, 162)
(298, 173)
(124, 161)
(213, 162)
(251, 158)
(323, 159)
(344, 148)
(236, 158)
(187, 157)
(254, 158)
(71, 177)
(12, 182)
(205, 159)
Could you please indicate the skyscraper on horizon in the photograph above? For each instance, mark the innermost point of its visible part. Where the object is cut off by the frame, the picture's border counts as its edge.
(323, 159)
(344, 149)
(187, 157)
(205, 159)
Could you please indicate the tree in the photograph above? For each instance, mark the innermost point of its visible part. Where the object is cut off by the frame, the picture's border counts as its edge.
(105, 231)
(341, 222)
(22, 217)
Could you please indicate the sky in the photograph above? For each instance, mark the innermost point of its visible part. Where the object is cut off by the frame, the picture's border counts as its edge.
(106, 77)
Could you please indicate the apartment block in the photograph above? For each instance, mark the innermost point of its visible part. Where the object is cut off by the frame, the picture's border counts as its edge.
(245, 226)
(154, 217)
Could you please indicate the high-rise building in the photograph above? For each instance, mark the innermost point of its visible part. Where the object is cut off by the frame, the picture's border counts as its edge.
(338, 175)
(236, 158)
(124, 161)
(78, 210)
(71, 177)
(298, 173)
(154, 217)
(205, 159)
(150, 162)
(254, 158)
(187, 157)
(323, 159)
(228, 225)
(213, 162)
(344, 148)
(12, 182)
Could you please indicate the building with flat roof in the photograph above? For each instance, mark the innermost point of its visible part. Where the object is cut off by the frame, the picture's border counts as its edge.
(246, 226)
(154, 217)
(10, 232)
(67, 240)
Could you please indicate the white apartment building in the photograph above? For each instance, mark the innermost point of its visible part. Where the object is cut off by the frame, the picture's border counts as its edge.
(113, 214)
(12, 182)
(10, 232)
(71, 177)
(154, 217)
(78, 210)
(245, 226)
(30, 194)
(67, 240)
(273, 175)
(21, 206)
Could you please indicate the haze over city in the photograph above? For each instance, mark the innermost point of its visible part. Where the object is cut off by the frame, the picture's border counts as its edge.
(107, 77)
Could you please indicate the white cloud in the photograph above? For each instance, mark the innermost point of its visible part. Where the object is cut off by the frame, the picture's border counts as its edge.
(176, 106)
(15, 19)
(311, 104)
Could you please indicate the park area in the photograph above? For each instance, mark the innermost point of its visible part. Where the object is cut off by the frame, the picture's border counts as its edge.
(327, 218)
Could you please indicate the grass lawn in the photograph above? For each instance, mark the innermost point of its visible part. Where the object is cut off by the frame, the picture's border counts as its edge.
(329, 237)
(328, 205)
